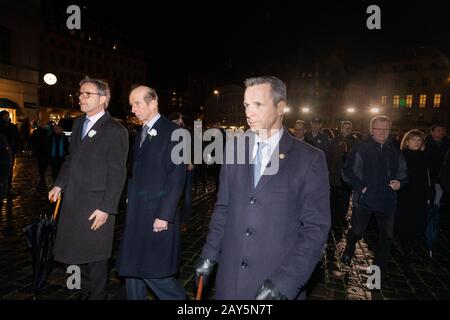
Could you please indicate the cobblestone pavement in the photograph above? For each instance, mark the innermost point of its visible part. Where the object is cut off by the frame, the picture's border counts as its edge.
(421, 278)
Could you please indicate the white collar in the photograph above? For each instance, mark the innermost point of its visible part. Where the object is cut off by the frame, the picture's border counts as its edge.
(272, 142)
(152, 121)
(93, 119)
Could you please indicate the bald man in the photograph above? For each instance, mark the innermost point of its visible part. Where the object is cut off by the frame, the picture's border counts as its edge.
(150, 251)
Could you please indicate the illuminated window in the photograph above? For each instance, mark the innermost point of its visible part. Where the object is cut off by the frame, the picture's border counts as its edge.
(396, 101)
(423, 100)
(383, 100)
(437, 100)
(409, 100)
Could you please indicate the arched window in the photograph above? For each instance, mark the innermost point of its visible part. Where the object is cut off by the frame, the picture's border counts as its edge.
(5, 45)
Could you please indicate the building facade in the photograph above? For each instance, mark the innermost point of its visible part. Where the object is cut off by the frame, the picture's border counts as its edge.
(19, 58)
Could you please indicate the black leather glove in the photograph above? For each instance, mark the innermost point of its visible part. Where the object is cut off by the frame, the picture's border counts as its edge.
(268, 291)
(205, 267)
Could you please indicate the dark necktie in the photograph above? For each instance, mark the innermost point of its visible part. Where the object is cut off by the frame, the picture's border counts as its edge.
(143, 135)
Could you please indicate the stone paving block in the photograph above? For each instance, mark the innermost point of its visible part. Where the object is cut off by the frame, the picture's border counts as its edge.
(424, 278)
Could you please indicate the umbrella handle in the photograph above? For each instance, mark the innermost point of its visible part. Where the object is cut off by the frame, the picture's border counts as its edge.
(198, 296)
(55, 213)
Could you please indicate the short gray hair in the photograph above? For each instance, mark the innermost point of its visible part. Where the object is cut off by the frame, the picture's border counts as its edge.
(346, 122)
(381, 119)
(279, 91)
(303, 123)
(102, 87)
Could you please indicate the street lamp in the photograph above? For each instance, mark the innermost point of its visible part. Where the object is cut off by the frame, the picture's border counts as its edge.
(305, 110)
(374, 110)
(351, 110)
(50, 79)
(216, 93)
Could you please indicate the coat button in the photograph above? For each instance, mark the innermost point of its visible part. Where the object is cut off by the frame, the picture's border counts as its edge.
(249, 232)
(244, 264)
(252, 200)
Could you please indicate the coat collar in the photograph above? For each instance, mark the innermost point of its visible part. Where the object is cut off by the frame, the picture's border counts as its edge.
(148, 140)
(284, 148)
(97, 126)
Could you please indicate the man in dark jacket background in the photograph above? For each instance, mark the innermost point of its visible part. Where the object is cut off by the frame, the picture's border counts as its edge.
(12, 135)
(5, 166)
(375, 169)
(316, 138)
(337, 153)
(436, 146)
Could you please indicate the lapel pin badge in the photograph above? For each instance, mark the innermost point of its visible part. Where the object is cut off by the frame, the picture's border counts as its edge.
(281, 156)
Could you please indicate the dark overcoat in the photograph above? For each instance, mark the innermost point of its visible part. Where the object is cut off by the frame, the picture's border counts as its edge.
(91, 177)
(278, 230)
(154, 190)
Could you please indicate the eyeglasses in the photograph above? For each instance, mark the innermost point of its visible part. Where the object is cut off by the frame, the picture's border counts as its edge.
(86, 94)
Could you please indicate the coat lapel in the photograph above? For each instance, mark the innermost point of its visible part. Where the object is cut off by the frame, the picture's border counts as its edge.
(96, 127)
(249, 161)
(284, 147)
(148, 139)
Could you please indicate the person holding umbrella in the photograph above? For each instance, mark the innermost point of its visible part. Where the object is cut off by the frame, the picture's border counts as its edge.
(92, 178)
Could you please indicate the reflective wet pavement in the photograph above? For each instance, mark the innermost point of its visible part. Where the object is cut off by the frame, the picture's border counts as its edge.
(421, 278)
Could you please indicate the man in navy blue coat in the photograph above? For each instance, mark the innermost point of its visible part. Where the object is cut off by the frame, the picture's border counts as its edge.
(269, 226)
(149, 254)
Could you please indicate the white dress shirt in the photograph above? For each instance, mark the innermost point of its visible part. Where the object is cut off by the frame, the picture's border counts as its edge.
(271, 145)
(152, 121)
(93, 120)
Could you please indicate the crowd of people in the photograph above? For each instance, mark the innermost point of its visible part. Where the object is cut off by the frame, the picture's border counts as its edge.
(401, 180)
(268, 230)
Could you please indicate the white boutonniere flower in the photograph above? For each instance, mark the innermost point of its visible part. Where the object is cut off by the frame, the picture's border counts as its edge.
(92, 133)
(152, 132)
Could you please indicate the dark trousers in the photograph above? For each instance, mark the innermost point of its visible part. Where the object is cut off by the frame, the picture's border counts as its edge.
(56, 164)
(94, 278)
(165, 288)
(385, 224)
(43, 163)
(10, 178)
(200, 176)
(187, 197)
(340, 201)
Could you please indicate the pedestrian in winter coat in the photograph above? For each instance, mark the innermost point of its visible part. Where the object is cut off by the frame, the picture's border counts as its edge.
(91, 178)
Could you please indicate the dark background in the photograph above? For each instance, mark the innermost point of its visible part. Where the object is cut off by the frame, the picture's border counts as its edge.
(247, 37)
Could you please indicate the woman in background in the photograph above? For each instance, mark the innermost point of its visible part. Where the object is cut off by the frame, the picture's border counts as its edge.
(411, 212)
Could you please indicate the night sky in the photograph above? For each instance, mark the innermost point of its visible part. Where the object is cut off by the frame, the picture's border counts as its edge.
(208, 36)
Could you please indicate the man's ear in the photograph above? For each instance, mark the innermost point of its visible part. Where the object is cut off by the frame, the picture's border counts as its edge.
(103, 101)
(154, 104)
(280, 107)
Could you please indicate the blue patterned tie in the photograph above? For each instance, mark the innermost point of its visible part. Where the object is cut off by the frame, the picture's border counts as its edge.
(258, 162)
(85, 126)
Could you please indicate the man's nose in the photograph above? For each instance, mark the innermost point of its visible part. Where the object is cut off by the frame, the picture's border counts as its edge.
(249, 112)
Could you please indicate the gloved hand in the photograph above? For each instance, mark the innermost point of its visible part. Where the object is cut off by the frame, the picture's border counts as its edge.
(268, 291)
(205, 267)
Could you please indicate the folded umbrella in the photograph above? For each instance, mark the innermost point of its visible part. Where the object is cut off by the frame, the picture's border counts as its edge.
(432, 227)
(40, 239)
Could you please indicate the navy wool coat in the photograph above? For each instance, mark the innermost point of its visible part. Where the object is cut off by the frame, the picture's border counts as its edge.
(278, 230)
